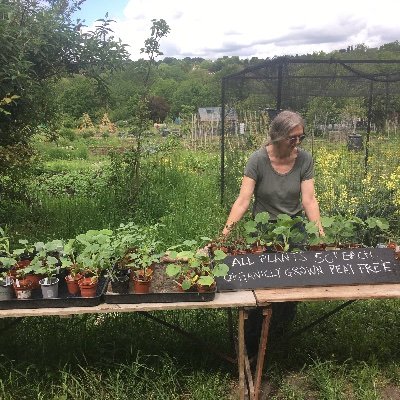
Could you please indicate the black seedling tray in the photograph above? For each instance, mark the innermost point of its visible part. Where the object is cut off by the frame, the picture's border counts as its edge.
(64, 299)
(168, 297)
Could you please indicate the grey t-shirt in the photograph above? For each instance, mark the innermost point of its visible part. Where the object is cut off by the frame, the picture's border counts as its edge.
(274, 192)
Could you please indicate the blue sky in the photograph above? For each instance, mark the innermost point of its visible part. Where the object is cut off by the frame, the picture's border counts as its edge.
(255, 28)
(96, 9)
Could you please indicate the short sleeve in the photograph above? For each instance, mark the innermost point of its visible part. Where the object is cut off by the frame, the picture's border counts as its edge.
(251, 169)
(307, 170)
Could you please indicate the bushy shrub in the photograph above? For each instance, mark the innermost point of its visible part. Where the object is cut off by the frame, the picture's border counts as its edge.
(87, 133)
(67, 133)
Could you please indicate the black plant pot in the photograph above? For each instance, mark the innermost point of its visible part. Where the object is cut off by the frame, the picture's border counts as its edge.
(120, 285)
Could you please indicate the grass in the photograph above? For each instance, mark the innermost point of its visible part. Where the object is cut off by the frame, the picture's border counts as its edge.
(352, 355)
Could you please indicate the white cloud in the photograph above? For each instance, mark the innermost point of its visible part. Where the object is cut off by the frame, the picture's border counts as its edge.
(216, 28)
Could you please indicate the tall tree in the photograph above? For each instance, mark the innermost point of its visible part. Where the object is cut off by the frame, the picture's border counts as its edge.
(39, 43)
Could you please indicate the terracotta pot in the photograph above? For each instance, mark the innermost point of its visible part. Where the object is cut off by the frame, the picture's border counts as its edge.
(236, 252)
(316, 247)
(72, 284)
(23, 263)
(257, 249)
(332, 246)
(139, 273)
(88, 287)
(34, 278)
(22, 288)
(141, 286)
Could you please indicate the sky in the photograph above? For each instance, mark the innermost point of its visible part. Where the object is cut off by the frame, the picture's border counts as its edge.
(212, 29)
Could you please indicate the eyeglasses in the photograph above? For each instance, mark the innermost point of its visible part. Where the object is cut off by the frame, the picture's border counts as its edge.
(293, 139)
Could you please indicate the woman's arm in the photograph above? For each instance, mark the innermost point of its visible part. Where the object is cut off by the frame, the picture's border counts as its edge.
(310, 203)
(241, 204)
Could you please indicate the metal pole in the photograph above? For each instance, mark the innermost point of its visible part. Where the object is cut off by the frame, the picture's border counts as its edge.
(279, 89)
(222, 182)
(371, 88)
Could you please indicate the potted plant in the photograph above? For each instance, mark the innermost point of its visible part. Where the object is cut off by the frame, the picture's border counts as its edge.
(339, 231)
(6, 282)
(314, 240)
(95, 255)
(142, 255)
(73, 269)
(126, 241)
(194, 268)
(12, 274)
(258, 233)
(183, 265)
(22, 285)
(24, 256)
(375, 228)
(142, 261)
(47, 262)
(6, 263)
(286, 233)
(209, 269)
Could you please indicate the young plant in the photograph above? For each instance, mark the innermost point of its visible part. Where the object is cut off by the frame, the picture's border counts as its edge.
(340, 230)
(258, 231)
(48, 259)
(375, 229)
(195, 266)
(95, 251)
(142, 259)
(287, 232)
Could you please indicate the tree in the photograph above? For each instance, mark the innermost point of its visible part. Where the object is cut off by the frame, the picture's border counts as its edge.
(159, 108)
(38, 45)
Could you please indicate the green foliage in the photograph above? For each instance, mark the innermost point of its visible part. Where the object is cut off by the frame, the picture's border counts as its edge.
(67, 133)
(79, 94)
(33, 44)
(195, 266)
(48, 258)
(40, 44)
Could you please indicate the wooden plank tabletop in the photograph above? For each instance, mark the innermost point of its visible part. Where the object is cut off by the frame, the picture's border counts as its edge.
(222, 300)
(351, 292)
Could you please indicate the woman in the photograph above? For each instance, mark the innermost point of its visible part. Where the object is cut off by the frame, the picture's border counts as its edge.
(281, 177)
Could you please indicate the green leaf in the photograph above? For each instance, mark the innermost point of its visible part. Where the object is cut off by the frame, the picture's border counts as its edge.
(186, 284)
(220, 270)
(262, 217)
(206, 280)
(173, 269)
(219, 255)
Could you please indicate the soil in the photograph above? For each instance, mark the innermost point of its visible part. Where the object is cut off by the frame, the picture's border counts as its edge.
(161, 282)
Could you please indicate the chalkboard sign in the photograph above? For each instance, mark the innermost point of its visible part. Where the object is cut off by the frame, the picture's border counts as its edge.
(310, 268)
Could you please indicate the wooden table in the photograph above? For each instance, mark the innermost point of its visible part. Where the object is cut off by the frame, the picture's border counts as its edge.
(242, 300)
(265, 298)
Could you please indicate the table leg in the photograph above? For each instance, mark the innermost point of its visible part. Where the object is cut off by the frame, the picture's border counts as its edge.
(241, 348)
(267, 313)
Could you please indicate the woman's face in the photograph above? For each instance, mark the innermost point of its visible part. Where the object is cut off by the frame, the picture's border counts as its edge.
(296, 135)
(288, 144)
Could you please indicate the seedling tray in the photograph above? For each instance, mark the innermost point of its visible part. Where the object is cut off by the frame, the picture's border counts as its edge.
(64, 299)
(167, 297)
